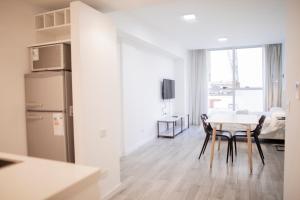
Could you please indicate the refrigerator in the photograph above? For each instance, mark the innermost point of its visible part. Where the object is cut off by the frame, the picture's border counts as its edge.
(49, 117)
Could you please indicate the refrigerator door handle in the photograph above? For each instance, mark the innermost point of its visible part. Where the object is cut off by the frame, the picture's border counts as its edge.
(34, 105)
(71, 111)
(34, 117)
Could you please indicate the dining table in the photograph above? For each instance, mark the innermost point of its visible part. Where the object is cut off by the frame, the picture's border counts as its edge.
(244, 121)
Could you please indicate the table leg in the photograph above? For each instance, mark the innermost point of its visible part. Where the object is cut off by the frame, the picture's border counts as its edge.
(181, 122)
(173, 129)
(157, 129)
(213, 146)
(219, 145)
(249, 148)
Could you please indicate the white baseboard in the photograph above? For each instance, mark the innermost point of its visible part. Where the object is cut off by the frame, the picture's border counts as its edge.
(130, 150)
(138, 145)
(113, 192)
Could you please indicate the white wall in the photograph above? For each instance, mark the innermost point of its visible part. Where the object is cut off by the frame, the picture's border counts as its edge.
(132, 26)
(96, 93)
(17, 32)
(143, 70)
(147, 56)
(182, 79)
(292, 147)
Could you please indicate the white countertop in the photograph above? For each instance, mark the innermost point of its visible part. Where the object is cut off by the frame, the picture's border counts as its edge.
(35, 178)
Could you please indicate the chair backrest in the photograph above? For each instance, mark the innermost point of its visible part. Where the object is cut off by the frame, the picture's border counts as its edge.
(258, 128)
(206, 126)
(204, 117)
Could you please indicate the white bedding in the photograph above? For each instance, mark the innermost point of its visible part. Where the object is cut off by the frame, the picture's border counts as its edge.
(273, 122)
(274, 128)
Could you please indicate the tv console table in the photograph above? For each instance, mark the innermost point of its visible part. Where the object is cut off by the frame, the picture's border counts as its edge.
(175, 128)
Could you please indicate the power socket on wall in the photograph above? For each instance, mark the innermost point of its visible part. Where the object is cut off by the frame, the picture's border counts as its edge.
(104, 173)
(103, 133)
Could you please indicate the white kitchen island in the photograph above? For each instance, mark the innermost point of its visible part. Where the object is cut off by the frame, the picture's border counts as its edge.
(33, 178)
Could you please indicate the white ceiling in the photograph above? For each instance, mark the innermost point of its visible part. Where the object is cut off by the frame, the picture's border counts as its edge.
(102, 5)
(243, 22)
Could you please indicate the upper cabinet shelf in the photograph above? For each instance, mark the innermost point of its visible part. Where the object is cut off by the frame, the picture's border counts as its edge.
(53, 20)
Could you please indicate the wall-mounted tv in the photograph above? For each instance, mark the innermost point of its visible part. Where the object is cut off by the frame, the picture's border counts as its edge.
(168, 89)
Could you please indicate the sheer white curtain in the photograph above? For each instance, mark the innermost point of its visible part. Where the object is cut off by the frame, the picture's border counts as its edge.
(198, 84)
(273, 76)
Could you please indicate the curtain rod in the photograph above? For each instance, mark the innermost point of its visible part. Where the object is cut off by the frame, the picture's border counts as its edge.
(236, 47)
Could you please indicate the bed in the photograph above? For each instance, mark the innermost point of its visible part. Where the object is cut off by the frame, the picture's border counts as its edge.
(274, 127)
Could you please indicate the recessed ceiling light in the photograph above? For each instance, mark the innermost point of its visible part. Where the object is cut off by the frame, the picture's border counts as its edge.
(223, 39)
(189, 18)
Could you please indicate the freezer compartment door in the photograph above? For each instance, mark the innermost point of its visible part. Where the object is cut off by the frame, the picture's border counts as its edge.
(44, 91)
(46, 135)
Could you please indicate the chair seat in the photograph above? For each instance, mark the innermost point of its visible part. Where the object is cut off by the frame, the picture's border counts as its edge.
(226, 134)
(221, 133)
(241, 134)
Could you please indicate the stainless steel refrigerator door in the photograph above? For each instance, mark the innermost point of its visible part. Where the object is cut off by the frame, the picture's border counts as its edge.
(44, 91)
(45, 139)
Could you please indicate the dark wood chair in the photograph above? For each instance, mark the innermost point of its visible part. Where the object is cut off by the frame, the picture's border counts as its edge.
(224, 134)
(255, 133)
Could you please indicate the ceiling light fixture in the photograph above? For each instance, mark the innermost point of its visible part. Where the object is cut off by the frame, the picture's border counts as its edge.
(189, 18)
(223, 39)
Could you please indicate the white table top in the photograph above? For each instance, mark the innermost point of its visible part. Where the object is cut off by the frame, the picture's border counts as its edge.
(230, 118)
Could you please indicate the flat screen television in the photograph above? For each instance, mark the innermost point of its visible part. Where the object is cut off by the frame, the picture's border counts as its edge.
(168, 89)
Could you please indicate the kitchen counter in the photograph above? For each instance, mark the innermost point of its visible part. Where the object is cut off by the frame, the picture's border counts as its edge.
(33, 178)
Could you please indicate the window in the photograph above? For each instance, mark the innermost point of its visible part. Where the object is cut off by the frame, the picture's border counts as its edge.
(236, 79)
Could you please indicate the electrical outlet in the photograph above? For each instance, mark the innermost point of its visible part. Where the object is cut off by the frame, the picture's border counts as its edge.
(297, 95)
(104, 173)
(103, 133)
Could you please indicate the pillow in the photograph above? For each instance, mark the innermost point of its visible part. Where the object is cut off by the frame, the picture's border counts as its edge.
(277, 112)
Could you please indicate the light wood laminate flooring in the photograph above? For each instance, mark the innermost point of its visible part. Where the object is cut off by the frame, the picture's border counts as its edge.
(169, 169)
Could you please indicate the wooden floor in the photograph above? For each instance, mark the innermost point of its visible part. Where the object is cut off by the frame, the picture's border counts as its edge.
(169, 169)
